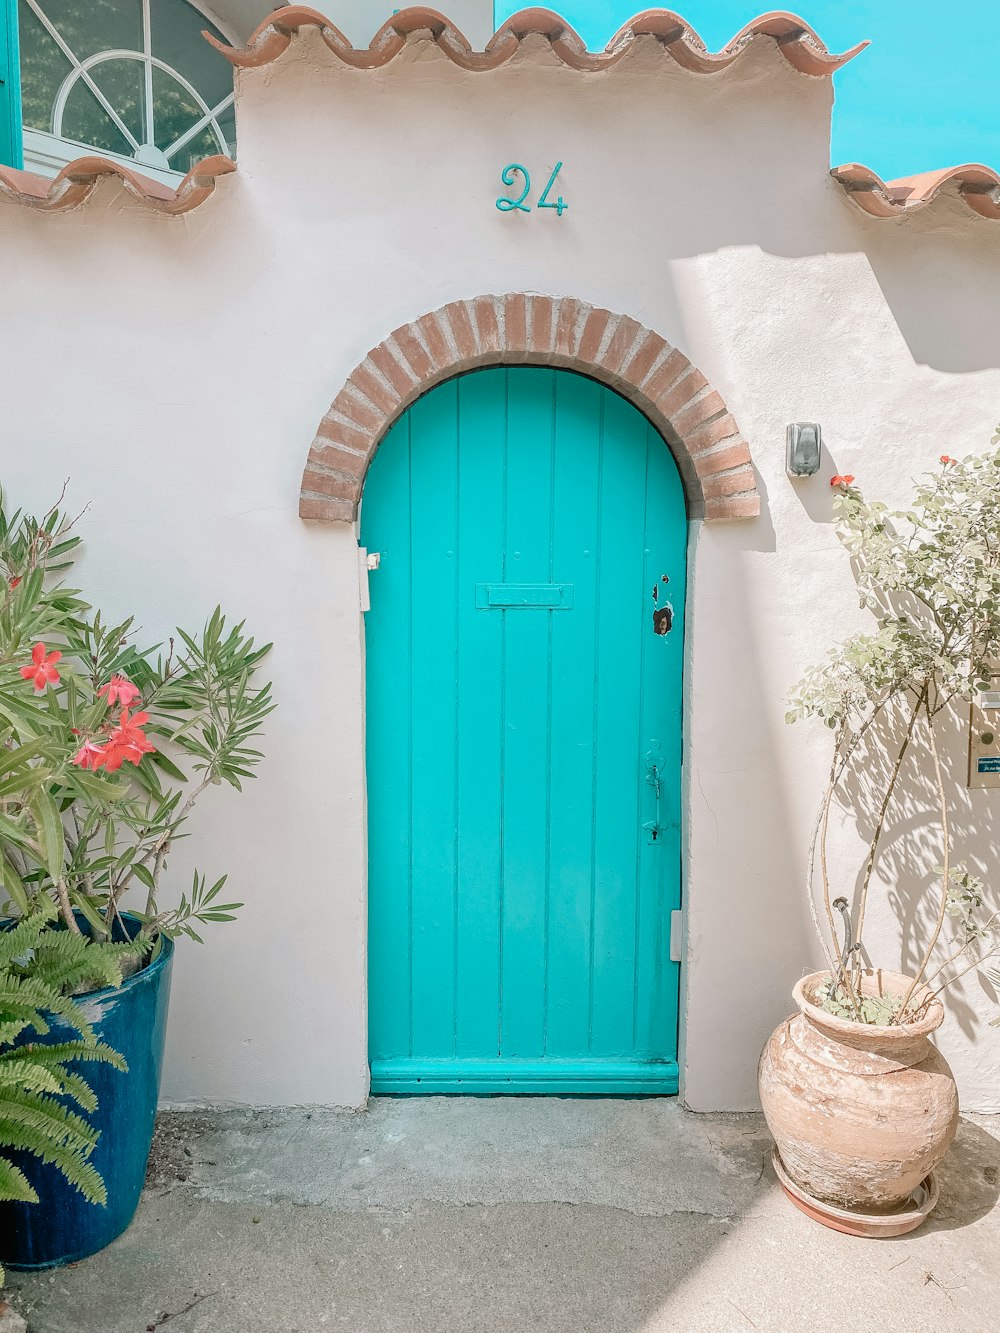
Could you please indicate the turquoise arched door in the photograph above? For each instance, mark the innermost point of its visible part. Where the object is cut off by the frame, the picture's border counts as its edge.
(524, 659)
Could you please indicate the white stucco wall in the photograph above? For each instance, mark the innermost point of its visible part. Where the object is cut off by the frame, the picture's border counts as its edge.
(175, 371)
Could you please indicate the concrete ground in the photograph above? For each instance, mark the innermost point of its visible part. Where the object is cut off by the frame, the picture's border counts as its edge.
(448, 1214)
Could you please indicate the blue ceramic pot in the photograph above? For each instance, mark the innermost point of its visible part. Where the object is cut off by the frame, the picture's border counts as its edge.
(63, 1227)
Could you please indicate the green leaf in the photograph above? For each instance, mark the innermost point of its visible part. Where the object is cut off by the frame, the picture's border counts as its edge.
(51, 832)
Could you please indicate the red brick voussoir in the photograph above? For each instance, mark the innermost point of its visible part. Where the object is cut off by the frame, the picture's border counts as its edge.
(522, 329)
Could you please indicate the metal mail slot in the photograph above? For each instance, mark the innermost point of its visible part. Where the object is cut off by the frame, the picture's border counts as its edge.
(510, 596)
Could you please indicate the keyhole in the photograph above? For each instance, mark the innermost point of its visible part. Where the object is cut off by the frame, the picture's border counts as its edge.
(656, 594)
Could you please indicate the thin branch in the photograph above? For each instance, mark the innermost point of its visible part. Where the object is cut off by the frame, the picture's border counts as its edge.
(987, 929)
(65, 907)
(880, 821)
(946, 870)
(978, 962)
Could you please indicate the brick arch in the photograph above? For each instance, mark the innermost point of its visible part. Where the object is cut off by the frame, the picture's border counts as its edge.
(518, 329)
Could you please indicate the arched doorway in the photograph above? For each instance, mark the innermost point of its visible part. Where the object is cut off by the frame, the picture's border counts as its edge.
(524, 698)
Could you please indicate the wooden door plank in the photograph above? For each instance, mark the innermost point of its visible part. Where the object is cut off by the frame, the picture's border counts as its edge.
(434, 572)
(388, 633)
(482, 445)
(526, 712)
(617, 705)
(577, 481)
(657, 978)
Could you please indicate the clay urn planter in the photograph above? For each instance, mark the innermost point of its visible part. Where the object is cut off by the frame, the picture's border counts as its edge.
(860, 1114)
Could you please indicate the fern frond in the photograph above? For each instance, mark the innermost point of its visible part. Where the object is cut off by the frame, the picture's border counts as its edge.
(58, 1052)
(40, 962)
(70, 1159)
(15, 1185)
(45, 1119)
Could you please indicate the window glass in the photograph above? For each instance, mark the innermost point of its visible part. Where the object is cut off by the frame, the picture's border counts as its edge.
(90, 26)
(43, 68)
(177, 41)
(174, 108)
(122, 83)
(86, 121)
(226, 121)
(204, 144)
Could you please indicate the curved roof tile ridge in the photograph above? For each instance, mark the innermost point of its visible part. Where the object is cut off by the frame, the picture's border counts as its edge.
(75, 184)
(978, 187)
(797, 42)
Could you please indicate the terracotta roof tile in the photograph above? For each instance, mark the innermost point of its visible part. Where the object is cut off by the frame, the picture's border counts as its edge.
(796, 41)
(976, 185)
(76, 182)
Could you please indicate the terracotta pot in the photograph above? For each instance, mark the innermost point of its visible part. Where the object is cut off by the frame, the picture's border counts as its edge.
(860, 1114)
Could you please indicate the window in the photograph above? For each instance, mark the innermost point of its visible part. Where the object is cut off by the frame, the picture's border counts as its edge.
(129, 79)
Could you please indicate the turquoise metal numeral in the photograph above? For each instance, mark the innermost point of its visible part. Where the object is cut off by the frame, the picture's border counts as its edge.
(507, 205)
(559, 204)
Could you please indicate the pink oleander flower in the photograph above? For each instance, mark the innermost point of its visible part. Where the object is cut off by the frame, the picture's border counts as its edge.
(43, 667)
(119, 690)
(127, 741)
(90, 755)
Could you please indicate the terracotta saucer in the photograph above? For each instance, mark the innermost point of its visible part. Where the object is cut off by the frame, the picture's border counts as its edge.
(905, 1217)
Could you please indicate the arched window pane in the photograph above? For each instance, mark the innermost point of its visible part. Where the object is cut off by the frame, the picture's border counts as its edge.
(227, 124)
(121, 82)
(43, 68)
(176, 32)
(174, 109)
(86, 121)
(204, 144)
(89, 26)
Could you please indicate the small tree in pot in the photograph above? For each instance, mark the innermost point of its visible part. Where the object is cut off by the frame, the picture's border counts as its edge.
(855, 1146)
(93, 735)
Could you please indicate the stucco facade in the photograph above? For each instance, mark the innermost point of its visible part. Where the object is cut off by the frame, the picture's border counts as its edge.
(175, 370)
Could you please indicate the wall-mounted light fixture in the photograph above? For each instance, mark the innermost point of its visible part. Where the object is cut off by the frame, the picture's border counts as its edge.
(805, 448)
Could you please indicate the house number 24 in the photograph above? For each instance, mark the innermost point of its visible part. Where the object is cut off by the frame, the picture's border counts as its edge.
(510, 175)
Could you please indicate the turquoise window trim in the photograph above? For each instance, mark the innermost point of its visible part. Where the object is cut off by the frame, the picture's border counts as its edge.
(11, 145)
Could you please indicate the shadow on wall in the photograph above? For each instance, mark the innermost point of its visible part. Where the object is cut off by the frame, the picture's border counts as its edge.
(907, 870)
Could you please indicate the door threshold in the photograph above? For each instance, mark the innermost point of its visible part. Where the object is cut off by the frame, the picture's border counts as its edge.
(408, 1077)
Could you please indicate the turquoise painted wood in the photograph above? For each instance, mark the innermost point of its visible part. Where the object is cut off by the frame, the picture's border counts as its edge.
(517, 688)
(11, 146)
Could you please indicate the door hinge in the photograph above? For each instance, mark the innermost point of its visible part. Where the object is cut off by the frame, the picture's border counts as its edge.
(367, 561)
(676, 937)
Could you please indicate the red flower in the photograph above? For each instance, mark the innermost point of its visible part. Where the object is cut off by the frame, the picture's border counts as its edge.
(848, 480)
(119, 690)
(945, 459)
(127, 741)
(43, 667)
(89, 755)
(14, 580)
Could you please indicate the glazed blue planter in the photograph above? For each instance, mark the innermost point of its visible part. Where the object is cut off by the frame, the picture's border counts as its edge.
(63, 1227)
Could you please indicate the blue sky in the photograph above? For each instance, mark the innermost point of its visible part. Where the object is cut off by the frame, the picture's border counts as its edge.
(925, 94)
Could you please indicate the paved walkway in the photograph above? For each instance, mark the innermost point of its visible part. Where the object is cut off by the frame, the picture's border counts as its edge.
(450, 1215)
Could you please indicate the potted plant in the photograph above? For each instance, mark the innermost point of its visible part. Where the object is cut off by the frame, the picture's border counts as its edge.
(104, 750)
(860, 1104)
(40, 1096)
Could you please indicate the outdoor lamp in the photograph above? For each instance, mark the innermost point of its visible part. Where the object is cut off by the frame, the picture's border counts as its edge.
(805, 445)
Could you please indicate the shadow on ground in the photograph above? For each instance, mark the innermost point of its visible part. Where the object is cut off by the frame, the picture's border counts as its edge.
(524, 1214)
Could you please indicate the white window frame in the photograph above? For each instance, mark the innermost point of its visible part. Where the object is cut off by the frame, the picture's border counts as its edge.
(48, 152)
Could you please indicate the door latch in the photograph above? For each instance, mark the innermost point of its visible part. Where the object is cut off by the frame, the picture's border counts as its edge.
(367, 562)
(654, 769)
